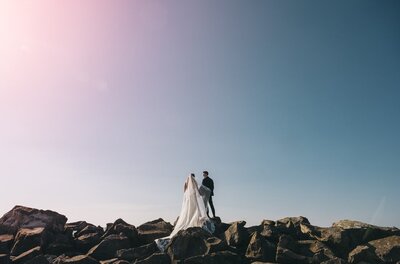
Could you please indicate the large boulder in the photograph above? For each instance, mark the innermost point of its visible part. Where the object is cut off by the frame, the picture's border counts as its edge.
(26, 256)
(109, 246)
(237, 235)
(156, 258)
(6, 242)
(137, 253)
(188, 243)
(222, 257)
(28, 238)
(152, 230)
(120, 227)
(260, 249)
(25, 217)
(79, 259)
(364, 253)
(85, 242)
(5, 259)
(387, 249)
(361, 233)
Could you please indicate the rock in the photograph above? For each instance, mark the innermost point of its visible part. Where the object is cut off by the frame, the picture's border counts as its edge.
(260, 248)
(25, 217)
(80, 259)
(109, 246)
(5, 259)
(62, 243)
(137, 253)
(75, 227)
(152, 230)
(223, 257)
(288, 251)
(28, 238)
(334, 261)
(26, 256)
(236, 235)
(87, 241)
(114, 261)
(220, 227)
(292, 226)
(363, 253)
(41, 259)
(387, 249)
(188, 243)
(361, 233)
(215, 244)
(157, 258)
(6, 242)
(120, 227)
(90, 229)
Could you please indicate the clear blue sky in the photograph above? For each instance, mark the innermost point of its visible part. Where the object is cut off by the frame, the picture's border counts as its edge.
(293, 107)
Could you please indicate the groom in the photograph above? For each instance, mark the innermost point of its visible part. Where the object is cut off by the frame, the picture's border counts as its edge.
(208, 182)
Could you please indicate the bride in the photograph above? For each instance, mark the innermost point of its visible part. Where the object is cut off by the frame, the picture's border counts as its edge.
(193, 212)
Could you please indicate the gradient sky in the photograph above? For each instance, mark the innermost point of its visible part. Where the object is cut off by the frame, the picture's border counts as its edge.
(293, 107)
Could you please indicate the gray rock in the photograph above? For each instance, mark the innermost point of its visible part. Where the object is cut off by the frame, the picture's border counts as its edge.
(138, 252)
(223, 257)
(25, 217)
(109, 246)
(237, 235)
(188, 243)
(387, 249)
(157, 258)
(152, 230)
(6, 242)
(260, 248)
(26, 256)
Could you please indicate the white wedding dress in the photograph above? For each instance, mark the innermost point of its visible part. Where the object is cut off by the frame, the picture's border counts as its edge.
(193, 212)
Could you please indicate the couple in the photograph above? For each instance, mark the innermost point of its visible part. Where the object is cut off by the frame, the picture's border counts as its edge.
(194, 212)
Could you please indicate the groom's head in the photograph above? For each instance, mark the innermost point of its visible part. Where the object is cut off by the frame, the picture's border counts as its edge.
(205, 174)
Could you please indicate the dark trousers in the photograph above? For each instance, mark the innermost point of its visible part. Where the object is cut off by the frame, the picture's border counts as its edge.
(212, 207)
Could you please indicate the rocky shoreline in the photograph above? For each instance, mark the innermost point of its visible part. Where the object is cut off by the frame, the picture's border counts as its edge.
(35, 236)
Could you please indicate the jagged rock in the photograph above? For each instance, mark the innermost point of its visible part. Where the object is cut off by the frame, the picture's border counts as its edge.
(387, 249)
(237, 235)
(137, 253)
(87, 241)
(25, 217)
(188, 243)
(152, 230)
(26, 256)
(28, 238)
(215, 244)
(62, 243)
(80, 259)
(114, 261)
(120, 227)
(6, 242)
(288, 251)
(5, 259)
(361, 233)
(90, 229)
(41, 259)
(363, 253)
(260, 248)
(75, 227)
(220, 227)
(292, 226)
(109, 246)
(223, 257)
(157, 258)
(334, 261)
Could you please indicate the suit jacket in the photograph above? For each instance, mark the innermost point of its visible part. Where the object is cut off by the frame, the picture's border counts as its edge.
(208, 182)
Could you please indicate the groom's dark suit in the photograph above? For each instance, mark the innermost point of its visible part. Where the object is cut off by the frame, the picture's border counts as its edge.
(208, 182)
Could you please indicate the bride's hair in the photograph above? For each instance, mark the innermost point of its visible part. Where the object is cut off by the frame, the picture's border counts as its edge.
(192, 174)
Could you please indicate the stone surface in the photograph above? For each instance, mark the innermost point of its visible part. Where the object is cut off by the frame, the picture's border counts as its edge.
(260, 248)
(28, 238)
(6, 241)
(120, 227)
(109, 246)
(188, 243)
(157, 258)
(237, 235)
(152, 230)
(223, 257)
(25, 217)
(387, 249)
(138, 252)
